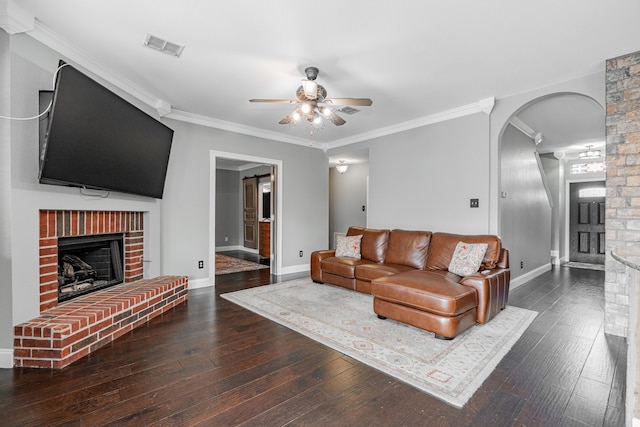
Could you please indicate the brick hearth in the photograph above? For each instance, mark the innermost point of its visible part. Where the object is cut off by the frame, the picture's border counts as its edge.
(72, 330)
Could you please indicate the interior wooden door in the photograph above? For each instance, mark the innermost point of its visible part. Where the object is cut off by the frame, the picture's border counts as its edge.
(586, 224)
(250, 212)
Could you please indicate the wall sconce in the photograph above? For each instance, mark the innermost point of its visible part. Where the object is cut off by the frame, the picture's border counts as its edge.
(342, 167)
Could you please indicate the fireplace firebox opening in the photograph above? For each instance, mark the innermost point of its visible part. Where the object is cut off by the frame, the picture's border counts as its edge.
(89, 263)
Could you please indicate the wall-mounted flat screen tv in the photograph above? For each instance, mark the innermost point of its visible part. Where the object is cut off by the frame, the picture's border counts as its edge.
(97, 140)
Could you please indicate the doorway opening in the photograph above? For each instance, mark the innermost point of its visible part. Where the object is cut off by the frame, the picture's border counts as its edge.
(275, 208)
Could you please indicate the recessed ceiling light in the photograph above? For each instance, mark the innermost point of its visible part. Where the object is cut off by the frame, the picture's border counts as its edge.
(163, 45)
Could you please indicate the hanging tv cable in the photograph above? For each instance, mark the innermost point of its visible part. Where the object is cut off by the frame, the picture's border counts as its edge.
(46, 110)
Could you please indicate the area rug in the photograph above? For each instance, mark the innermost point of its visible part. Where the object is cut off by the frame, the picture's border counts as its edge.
(226, 265)
(584, 265)
(344, 320)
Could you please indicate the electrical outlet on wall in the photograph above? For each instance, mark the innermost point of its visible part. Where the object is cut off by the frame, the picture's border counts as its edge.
(201, 264)
(301, 254)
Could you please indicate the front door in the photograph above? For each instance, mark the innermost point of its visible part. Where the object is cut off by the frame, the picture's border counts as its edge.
(586, 224)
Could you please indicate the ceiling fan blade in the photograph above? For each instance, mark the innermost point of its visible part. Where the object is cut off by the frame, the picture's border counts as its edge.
(336, 119)
(282, 101)
(365, 102)
(287, 119)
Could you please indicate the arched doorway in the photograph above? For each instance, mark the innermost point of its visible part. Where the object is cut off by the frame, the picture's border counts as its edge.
(539, 144)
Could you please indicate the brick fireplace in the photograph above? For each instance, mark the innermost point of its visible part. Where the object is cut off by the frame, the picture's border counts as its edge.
(65, 332)
(61, 224)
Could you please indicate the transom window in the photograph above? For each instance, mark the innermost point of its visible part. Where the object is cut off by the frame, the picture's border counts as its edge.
(592, 192)
(588, 167)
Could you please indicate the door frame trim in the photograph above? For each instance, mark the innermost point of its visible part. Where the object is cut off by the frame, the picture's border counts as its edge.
(213, 156)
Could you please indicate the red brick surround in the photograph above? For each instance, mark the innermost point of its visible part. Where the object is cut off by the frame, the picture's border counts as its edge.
(55, 224)
(72, 330)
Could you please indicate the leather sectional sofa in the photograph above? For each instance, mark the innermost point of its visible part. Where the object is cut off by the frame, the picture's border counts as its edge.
(407, 272)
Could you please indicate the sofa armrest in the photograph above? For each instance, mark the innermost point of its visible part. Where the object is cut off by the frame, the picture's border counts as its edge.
(492, 287)
(503, 262)
(316, 260)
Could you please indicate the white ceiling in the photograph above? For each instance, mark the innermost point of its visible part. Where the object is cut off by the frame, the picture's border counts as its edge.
(414, 58)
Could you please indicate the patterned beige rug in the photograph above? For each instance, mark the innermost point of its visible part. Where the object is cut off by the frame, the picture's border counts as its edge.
(226, 265)
(344, 320)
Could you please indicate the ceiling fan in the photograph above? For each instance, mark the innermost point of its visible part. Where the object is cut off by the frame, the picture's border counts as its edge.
(313, 104)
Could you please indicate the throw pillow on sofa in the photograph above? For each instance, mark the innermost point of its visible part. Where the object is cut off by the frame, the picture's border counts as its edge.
(467, 258)
(348, 246)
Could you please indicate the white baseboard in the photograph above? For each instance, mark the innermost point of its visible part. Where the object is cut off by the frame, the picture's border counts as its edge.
(233, 248)
(236, 248)
(296, 269)
(520, 280)
(199, 283)
(6, 358)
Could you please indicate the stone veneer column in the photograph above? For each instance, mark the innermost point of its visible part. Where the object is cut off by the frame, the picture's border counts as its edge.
(623, 182)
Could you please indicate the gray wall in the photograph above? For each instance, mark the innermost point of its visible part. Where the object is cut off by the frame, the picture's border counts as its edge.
(423, 178)
(347, 196)
(525, 212)
(228, 207)
(185, 206)
(6, 310)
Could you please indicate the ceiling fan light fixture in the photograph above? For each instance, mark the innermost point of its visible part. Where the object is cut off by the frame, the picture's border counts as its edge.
(313, 105)
(310, 88)
(342, 167)
(589, 153)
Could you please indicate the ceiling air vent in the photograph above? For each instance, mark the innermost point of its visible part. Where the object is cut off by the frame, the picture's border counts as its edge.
(349, 110)
(163, 45)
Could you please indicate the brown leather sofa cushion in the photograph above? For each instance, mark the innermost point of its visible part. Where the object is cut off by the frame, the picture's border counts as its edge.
(374, 242)
(344, 267)
(443, 245)
(408, 248)
(373, 271)
(426, 290)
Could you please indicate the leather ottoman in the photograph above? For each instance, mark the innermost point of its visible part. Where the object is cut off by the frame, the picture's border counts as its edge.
(430, 300)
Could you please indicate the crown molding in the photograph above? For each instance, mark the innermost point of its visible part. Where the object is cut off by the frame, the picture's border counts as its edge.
(481, 106)
(14, 19)
(47, 37)
(185, 116)
(517, 123)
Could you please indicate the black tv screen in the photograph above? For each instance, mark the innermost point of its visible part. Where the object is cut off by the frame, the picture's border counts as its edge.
(95, 139)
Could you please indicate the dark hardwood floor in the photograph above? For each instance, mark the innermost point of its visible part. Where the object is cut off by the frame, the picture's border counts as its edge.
(209, 362)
